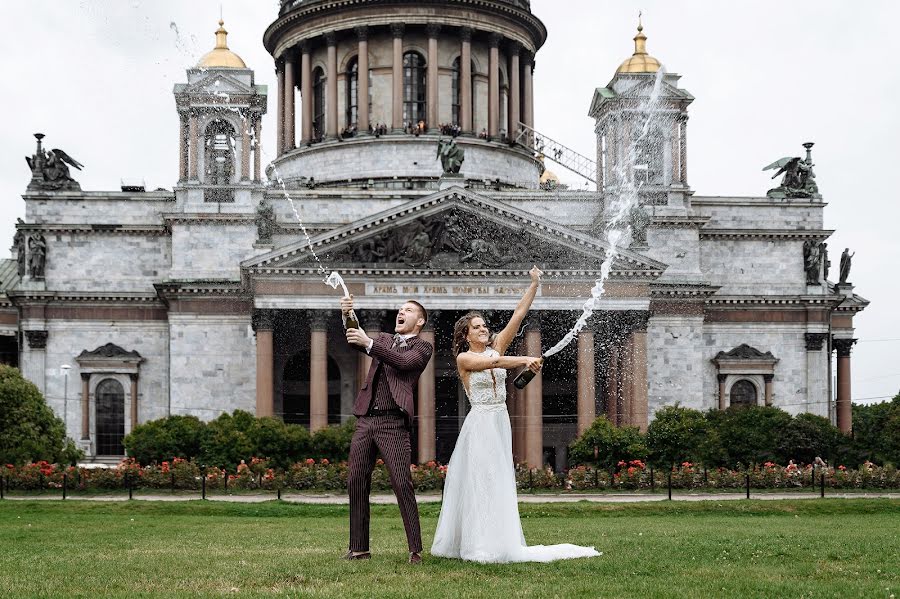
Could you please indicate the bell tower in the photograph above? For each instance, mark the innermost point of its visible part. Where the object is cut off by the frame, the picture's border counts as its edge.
(220, 110)
(641, 127)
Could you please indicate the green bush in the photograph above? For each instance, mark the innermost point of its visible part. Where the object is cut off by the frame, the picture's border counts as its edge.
(676, 435)
(876, 431)
(613, 444)
(159, 440)
(281, 444)
(333, 442)
(744, 435)
(225, 440)
(807, 436)
(29, 430)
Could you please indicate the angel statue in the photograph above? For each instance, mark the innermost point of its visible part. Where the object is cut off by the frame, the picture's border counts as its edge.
(50, 169)
(799, 179)
(450, 155)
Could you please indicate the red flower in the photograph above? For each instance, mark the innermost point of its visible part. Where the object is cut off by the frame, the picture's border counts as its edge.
(842, 467)
(310, 461)
(431, 464)
(324, 461)
(379, 462)
(621, 463)
(686, 464)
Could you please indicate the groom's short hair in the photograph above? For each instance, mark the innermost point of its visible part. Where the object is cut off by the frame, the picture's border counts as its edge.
(421, 310)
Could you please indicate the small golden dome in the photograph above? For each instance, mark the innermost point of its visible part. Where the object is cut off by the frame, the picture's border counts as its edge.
(549, 178)
(640, 61)
(220, 56)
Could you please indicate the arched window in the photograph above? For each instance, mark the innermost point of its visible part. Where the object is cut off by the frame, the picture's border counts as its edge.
(110, 398)
(318, 78)
(456, 93)
(219, 153)
(743, 393)
(352, 94)
(413, 87)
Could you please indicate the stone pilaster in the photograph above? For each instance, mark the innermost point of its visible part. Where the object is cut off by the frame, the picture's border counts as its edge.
(494, 85)
(465, 80)
(306, 93)
(331, 117)
(397, 78)
(362, 82)
(431, 86)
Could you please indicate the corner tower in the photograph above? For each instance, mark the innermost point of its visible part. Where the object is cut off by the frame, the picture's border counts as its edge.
(641, 127)
(220, 109)
(380, 83)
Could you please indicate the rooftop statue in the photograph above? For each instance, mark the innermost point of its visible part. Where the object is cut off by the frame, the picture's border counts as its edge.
(450, 155)
(50, 169)
(799, 179)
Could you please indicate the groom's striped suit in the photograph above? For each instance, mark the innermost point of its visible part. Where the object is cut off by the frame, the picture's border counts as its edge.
(385, 410)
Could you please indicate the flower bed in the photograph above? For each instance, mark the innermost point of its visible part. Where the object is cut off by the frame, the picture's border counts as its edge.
(323, 475)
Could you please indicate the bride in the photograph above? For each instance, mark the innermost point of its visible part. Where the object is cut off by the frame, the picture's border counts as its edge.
(479, 518)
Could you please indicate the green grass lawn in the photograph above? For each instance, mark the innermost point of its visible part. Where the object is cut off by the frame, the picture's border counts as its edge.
(803, 548)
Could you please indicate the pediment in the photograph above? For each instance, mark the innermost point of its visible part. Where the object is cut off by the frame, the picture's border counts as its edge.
(452, 230)
(744, 352)
(218, 83)
(111, 352)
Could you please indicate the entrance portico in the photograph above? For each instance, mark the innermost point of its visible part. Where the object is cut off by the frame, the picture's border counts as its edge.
(425, 251)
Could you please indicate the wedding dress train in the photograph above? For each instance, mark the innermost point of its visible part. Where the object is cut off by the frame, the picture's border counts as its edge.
(479, 518)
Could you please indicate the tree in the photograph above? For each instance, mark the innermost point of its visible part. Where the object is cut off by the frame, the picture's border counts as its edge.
(164, 439)
(744, 435)
(29, 430)
(614, 444)
(876, 431)
(807, 436)
(676, 435)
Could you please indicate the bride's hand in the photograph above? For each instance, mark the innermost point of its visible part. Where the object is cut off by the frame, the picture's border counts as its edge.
(535, 274)
(533, 364)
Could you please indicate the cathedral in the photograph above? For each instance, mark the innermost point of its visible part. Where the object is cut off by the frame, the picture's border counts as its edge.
(409, 162)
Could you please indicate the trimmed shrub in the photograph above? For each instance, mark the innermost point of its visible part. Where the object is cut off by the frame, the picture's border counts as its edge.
(164, 439)
(744, 435)
(807, 436)
(613, 445)
(676, 435)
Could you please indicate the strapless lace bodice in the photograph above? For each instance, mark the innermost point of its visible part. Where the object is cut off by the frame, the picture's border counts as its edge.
(487, 388)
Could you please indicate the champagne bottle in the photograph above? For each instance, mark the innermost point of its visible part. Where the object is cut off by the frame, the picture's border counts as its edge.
(352, 321)
(525, 377)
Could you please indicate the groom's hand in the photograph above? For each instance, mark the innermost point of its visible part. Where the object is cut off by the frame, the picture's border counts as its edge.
(358, 337)
(346, 304)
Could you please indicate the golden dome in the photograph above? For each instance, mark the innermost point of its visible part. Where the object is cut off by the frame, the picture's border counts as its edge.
(640, 61)
(220, 56)
(549, 178)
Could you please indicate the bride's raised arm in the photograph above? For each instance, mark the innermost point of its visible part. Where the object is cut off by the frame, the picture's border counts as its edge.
(505, 337)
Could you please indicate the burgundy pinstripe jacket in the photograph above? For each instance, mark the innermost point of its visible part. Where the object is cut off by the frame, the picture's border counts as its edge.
(402, 367)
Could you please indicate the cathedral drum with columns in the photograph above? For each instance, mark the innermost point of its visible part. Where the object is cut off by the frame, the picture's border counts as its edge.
(211, 298)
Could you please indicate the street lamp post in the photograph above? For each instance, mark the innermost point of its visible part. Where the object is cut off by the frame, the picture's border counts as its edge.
(65, 368)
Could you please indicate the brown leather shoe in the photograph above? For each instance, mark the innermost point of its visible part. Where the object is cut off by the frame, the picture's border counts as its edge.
(364, 555)
(415, 558)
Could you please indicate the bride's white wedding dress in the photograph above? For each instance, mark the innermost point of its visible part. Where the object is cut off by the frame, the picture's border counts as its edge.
(479, 518)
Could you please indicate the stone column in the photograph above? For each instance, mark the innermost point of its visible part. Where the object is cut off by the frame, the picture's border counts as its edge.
(639, 401)
(193, 133)
(612, 385)
(626, 363)
(290, 103)
(318, 370)
(465, 80)
(528, 85)
(683, 157)
(134, 400)
(85, 406)
(331, 118)
(306, 93)
(257, 149)
(816, 373)
(182, 147)
(425, 411)
(265, 354)
(767, 379)
(534, 409)
(494, 86)
(587, 408)
(431, 73)
(515, 100)
(722, 401)
(362, 81)
(279, 104)
(844, 408)
(245, 148)
(397, 78)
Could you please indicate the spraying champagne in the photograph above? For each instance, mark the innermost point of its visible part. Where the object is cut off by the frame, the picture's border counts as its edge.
(526, 375)
(335, 279)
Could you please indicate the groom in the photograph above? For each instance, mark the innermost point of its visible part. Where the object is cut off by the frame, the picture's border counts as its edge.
(385, 410)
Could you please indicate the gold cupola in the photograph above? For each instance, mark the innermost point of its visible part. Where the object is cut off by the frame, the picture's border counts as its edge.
(220, 56)
(640, 61)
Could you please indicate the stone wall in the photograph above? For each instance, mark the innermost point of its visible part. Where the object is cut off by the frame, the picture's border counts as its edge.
(101, 262)
(675, 368)
(213, 364)
(756, 266)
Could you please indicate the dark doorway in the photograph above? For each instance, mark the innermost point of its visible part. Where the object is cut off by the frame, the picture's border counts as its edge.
(110, 417)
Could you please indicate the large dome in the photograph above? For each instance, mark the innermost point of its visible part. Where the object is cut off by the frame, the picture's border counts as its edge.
(220, 56)
(640, 61)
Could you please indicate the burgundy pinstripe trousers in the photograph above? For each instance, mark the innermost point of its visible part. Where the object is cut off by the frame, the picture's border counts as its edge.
(390, 436)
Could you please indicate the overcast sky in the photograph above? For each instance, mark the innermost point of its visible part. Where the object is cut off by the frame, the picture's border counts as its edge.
(96, 77)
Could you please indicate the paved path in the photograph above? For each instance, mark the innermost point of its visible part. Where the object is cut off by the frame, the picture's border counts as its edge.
(384, 499)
